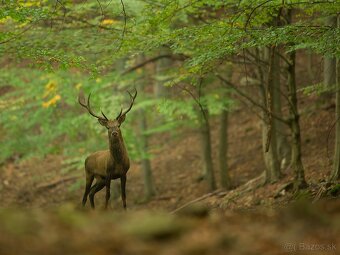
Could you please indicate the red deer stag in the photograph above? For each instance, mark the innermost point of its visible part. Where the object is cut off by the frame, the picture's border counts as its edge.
(107, 164)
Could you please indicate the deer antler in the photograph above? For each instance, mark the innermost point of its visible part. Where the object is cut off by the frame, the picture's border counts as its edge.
(120, 114)
(132, 97)
(81, 100)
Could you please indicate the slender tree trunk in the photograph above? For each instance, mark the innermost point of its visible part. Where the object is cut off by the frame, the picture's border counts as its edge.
(223, 150)
(149, 190)
(223, 141)
(329, 67)
(208, 169)
(310, 66)
(270, 156)
(336, 168)
(269, 129)
(283, 147)
(296, 161)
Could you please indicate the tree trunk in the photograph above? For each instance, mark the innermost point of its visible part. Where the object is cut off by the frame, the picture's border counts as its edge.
(269, 129)
(336, 168)
(208, 169)
(149, 190)
(283, 147)
(270, 156)
(310, 66)
(329, 67)
(296, 161)
(223, 151)
(223, 141)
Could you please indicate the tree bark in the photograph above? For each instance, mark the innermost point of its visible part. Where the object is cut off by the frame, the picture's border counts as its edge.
(269, 129)
(296, 162)
(310, 66)
(270, 157)
(329, 67)
(149, 190)
(223, 138)
(223, 151)
(208, 169)
(336, 168)
(282, 147)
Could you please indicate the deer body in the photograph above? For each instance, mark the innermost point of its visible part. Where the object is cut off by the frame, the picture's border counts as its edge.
(101, 162)
(107, 164)
(114, 161)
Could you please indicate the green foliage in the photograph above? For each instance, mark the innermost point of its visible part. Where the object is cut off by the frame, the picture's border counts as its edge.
(41, 114)
(317, 89)
(67, 45)
(334, 190)
(178, 110)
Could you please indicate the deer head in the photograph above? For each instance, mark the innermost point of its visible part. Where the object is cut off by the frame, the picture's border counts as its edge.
(113, 126)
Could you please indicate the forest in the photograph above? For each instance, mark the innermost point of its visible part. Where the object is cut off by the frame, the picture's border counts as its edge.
(169, 127)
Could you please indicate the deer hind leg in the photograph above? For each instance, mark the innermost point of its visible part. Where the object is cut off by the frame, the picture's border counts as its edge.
(89, 180)
(100, 184)
(122, 185)
(108, 187)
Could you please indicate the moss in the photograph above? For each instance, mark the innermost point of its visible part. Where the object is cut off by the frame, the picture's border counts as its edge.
(303, 195)
(334, 191)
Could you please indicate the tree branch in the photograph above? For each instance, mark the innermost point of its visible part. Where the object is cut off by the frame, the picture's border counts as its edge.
(241, 93)
(154, 59)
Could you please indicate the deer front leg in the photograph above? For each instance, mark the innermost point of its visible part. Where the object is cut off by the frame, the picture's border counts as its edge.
(108, 187)
(122, 185)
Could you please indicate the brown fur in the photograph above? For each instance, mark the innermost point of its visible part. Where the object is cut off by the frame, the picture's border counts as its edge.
(108, 164)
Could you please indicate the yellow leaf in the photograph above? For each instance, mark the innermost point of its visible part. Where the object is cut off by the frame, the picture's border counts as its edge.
(108, 22)
(78, 86)
(57, 97)
(52, 101)
(30, 3)
(5, 20)
(45, 104)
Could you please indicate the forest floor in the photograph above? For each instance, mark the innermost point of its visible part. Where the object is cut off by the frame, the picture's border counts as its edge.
(183, 217)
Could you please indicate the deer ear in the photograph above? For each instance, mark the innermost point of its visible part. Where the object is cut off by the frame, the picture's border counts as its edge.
(121, 119)
(102, 122)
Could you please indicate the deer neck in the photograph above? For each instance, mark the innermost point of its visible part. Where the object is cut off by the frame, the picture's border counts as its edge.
(118, 151)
